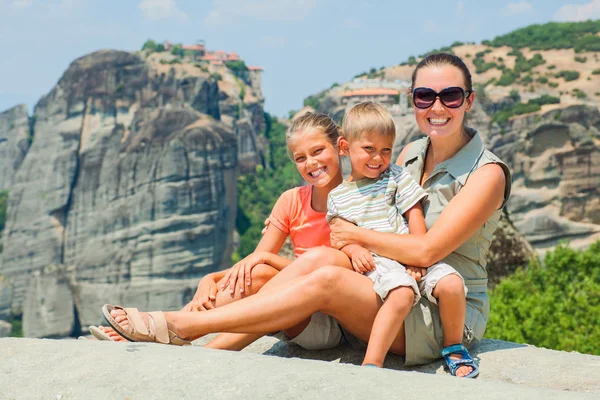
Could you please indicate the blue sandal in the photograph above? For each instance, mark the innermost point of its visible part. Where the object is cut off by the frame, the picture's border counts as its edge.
(466, 360)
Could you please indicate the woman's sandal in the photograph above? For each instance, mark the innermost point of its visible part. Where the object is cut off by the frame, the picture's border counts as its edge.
(157, 330)
(466, 360)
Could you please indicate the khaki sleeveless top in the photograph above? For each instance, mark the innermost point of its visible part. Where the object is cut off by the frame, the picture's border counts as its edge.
(445, 181)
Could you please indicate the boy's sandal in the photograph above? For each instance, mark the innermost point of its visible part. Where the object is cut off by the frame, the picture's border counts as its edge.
(99, 333)
(465, 360)
(157, 330)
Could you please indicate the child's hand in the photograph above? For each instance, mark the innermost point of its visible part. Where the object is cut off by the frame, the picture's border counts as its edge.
(361, 258)
(416, 272)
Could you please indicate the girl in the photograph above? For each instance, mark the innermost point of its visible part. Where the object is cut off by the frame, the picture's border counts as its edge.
(467, 186)
(300, 212)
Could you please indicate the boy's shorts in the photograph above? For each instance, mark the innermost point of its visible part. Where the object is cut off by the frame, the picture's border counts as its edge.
(390, 274)
(433, 276)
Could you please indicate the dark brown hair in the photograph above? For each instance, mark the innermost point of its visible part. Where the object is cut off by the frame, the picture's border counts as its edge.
(440, 59)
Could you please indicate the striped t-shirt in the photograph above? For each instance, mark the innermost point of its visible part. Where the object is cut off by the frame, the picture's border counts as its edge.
(378, 203)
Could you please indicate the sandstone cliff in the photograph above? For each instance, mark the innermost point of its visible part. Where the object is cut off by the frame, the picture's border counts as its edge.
(127, 193)
(14, 142)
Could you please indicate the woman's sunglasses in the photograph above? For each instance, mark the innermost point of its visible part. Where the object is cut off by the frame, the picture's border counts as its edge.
(451, 97)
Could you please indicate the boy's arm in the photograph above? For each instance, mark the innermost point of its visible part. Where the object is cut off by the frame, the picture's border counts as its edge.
(416, 226)
(416, 220)
(361, 258)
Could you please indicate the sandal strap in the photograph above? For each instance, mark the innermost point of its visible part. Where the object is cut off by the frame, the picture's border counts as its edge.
(160, 327)
(136, 321)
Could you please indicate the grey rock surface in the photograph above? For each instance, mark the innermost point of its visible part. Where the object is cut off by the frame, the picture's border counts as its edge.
(14, 142)
(555, 160)
(5, 328)
(75, 369)
(128, 192)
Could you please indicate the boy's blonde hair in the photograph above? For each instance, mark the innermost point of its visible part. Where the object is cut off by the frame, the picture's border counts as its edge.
(368, 117)
(311, 121)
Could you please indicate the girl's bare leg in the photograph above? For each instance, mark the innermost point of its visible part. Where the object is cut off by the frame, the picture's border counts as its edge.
(388, 322)
(343, 294)
(450, 294)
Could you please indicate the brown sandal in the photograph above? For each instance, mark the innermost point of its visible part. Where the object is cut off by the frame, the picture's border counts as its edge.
(157, 330)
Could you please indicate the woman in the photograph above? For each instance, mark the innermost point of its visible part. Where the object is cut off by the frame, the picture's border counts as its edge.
(467, 187)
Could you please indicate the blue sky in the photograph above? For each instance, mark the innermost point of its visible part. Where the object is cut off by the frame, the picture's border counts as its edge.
(303, 45)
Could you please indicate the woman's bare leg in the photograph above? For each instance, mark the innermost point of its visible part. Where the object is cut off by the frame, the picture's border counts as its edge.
(261, 274)
(303, 265)
(450, 294)
(343, 294)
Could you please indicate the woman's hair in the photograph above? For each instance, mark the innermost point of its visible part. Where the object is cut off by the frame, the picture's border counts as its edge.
(368, 117)
(441, 59)
(311, 121)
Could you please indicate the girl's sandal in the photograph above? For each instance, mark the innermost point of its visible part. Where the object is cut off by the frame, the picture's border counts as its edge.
(157, 330)
(99, 333)
(466, 360)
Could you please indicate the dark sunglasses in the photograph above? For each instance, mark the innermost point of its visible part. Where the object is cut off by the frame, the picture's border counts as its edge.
(451, 97)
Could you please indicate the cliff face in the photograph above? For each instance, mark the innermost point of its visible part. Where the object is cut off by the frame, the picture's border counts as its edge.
(14, 142)
(555, 159)
(127, 194)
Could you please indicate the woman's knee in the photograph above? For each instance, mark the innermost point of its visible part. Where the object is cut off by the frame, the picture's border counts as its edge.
(324, 279)
(449, 285)
(321, 256)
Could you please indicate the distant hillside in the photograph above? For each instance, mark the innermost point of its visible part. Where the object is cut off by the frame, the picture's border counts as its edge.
(538, 92)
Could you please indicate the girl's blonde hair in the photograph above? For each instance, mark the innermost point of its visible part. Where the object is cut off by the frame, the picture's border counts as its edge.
(311, 121)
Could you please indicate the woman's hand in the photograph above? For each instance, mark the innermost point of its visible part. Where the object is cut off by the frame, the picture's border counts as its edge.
(205, 296)
(240, 273)
(342, 233)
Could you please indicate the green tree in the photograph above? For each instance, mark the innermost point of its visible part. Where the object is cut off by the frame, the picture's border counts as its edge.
(176, 50)
(258, 191)
(554, 305)
(149, 45)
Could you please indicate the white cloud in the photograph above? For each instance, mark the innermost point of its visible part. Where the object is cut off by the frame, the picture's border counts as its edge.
(460, 9)
(225, 12)
(161, 9)
(21, 3)
(273, 42)
(578, 12)
(522, 7)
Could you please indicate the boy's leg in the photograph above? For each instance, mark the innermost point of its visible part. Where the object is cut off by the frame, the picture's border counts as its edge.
(387, 324)
(449, 292)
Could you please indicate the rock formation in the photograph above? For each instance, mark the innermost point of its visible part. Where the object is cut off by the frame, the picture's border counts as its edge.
(128, 192)
(555, 160)
(14, 142)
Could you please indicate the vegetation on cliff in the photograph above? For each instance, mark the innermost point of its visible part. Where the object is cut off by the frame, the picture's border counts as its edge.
(258, 191)
(580, 36)
(554, 304)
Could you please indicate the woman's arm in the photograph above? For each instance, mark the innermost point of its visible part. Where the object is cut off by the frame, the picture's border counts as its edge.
(466, 212)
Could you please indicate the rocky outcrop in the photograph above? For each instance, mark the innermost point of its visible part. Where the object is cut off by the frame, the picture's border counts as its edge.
(555, 159)
(14, 142)
(268, 369)
(128, 191)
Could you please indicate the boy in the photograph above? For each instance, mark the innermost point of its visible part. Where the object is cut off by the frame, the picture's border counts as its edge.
(376, 196)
